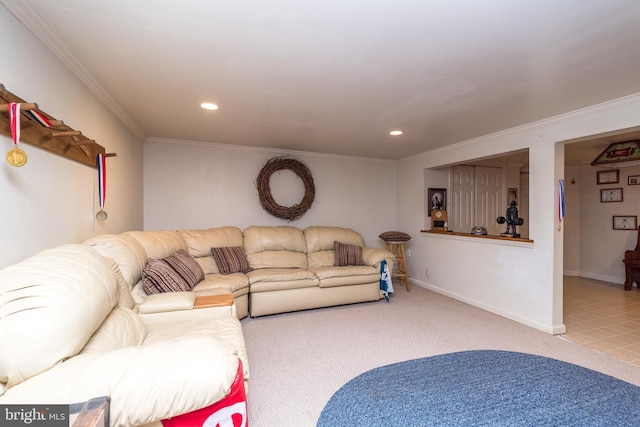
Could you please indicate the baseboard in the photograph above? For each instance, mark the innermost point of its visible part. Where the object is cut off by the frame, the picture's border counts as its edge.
(550, 329)
(603, 278)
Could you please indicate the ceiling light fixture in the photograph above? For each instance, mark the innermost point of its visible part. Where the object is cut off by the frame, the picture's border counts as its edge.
(209, 106)
(396, 133)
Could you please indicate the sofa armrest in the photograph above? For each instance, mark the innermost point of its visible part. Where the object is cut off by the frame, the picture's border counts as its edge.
(158, 311)
(168, 301)
(374, 256)
(146, 383)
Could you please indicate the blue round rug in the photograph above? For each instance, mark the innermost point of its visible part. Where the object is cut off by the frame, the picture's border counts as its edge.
(483, 388)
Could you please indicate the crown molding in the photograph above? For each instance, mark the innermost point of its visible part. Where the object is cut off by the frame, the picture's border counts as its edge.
(591, 112)
(253, 148)
(49, 37)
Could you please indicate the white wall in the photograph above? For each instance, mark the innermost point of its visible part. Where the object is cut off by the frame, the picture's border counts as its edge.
(601, 247)
(52, 200)
(518, 281)
(200, 185)
(571, 222)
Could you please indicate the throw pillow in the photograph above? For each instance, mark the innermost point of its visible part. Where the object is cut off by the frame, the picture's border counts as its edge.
(186, 266)
(231, 259)
(394, 236)
(158, 276)
(345, 254)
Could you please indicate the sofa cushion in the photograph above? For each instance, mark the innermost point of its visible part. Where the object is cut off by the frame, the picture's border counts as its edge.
(276, 279)
(275, 247)
(346, 254)
(125, 298)
(329, 277)
(321, 238)
(146, 383)
(186, 266)
(51, 305)
(200, 242)
(126, 251)
(225, 329)
(122, 328)
(233, 283)
(231, 260)
(158, 276)
(158, 243)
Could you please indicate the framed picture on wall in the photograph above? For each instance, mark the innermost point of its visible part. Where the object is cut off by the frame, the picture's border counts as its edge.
(611, 195)
(628, 222)
(608, 177)
(633, 180)
(437, 199)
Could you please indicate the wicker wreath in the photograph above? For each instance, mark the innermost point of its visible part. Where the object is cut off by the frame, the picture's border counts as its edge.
(264, 191)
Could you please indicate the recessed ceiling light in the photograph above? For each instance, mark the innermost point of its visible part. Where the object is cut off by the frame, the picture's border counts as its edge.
(209, 106)
(396, 133)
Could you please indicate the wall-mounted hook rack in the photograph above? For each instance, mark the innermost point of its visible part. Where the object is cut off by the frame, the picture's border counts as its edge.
(41, 130)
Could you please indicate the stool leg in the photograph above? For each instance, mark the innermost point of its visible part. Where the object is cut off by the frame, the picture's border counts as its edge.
(397, 249)
(403, 268)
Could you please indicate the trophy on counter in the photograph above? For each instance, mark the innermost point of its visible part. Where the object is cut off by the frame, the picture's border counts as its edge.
(512, 220)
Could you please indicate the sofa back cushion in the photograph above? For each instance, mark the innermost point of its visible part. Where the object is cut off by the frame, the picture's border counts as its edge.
(320, 246)
(200, 242)
(125, 298)
(121, 328)
(51, 305)
(158, 244)
(126, 251)
(275, 247)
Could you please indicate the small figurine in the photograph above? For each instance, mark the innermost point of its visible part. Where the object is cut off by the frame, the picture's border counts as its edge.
(512, 220)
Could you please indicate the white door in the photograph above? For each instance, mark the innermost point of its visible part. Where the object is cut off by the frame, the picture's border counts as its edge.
(462, 202)
(476, 199)
(488, 198)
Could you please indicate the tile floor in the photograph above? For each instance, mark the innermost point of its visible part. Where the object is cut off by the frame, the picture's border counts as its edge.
(603, 316)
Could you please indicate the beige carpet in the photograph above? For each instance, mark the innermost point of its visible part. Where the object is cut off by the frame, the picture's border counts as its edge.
(298, 360)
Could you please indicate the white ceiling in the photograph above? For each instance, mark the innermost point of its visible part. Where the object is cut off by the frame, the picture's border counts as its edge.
(335, 76)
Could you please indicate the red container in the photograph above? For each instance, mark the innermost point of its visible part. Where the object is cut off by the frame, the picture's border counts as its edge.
(228, 412)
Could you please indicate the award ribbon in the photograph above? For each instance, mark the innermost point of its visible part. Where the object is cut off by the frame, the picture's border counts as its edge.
(39, 117)
(102, 186)
(16, 157)
(14, 115)
(560, 203)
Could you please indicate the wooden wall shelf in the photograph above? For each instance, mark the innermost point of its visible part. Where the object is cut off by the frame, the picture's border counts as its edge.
(476, 236)
(59, 139)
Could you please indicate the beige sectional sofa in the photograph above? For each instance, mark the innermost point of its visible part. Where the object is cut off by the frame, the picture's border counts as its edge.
(290, 268)
(76, 322)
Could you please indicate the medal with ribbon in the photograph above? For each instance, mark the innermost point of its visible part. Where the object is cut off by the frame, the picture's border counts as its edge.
(16, 156)
(102, 186)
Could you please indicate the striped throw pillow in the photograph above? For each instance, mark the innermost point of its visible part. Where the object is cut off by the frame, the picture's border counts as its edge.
(345, 254)
(231, 259)
(186, 266)
(158, 276)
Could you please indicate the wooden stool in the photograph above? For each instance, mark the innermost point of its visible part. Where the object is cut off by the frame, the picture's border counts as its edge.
(397, 248)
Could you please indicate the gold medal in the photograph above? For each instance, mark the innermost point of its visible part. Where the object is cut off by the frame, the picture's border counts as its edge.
(16, 157)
